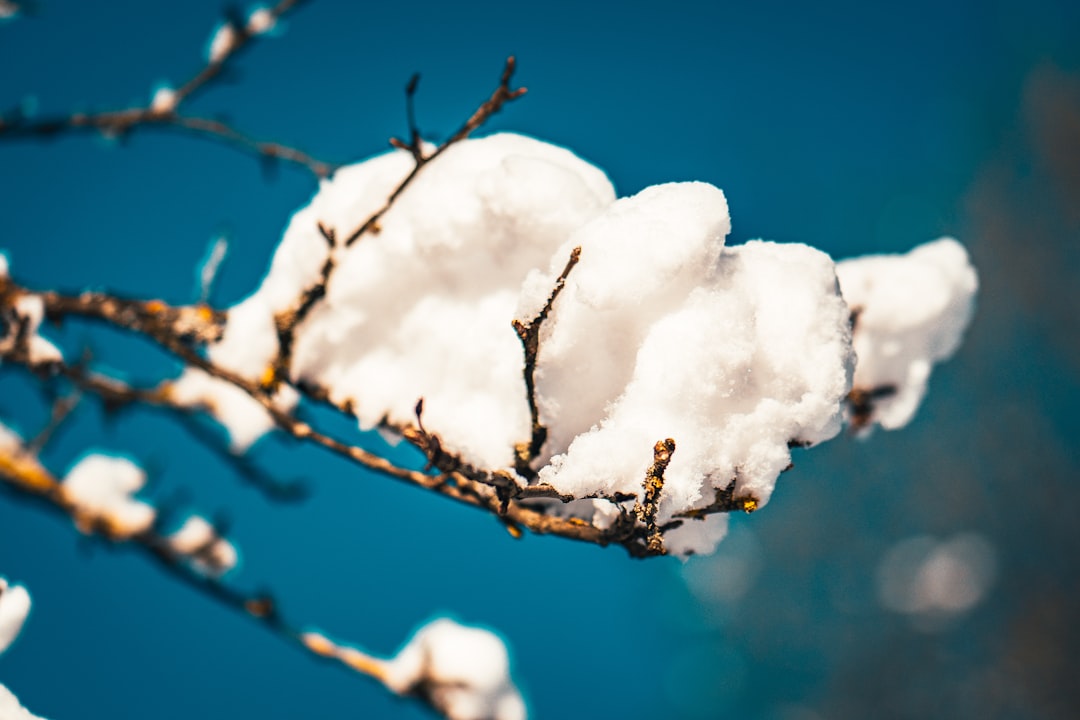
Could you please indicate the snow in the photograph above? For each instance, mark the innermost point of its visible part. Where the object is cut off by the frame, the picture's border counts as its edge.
(209, 552)
(261, 20)
(10, 441)
(465, 672)
(912, 311)
(11, 708)
(661, 330)
(243, 417)
(222, 43)
(31, 309)
(423, 308)
(100, 488)
(247, 348)
(14, 607)
(210, 266)
(163, 101)
(195, 534)
(462, 671)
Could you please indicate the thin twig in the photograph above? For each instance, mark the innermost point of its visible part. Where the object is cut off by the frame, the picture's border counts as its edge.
(862, 402)
(181, 330)
(22, 474)
(60, 412)
(132, 316)
(529, 334)
(242, 37)
(499, 97)
(287, 322)
(121, 123)
(646, 509)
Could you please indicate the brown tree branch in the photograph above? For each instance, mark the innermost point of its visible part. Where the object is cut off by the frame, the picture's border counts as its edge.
(862, 402)
(27, 479)
(122, 122)
(529, 334)
(150, 318)
(287, 322)
(646, 509)
(61, 410)
(499, 97)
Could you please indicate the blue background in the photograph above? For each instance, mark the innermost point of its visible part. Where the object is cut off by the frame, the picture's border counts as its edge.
(855, 127)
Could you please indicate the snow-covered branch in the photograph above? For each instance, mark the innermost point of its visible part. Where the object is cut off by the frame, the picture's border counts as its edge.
(163, 108)
(737, 354)
(461, 672)
(607, 370)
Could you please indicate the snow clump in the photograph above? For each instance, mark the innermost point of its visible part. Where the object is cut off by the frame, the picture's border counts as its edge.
(248, 344)
(910, 313)
(661, 330)
(463, 671)
(100, 488)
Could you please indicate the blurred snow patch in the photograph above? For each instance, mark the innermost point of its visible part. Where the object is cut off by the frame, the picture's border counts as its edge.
(14, 607)
(911, 312)
(247, 349)
(221, 43)
(11, 708)
(199, 540)
(934, 580)
(100, 490)
(211, 264)
(163, 101)
(31, 311)
(261, 20)
(463, 671)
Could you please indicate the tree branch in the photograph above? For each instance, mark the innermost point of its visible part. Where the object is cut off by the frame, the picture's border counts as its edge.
(529, 334)
(22, 474)
(162, 112)
(174, 329)
(646, 509)
(289, 321)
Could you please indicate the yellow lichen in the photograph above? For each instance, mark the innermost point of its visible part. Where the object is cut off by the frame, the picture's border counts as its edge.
(268, 379)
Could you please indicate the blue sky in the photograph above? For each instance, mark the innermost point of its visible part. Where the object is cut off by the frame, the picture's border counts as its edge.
(854, 127)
